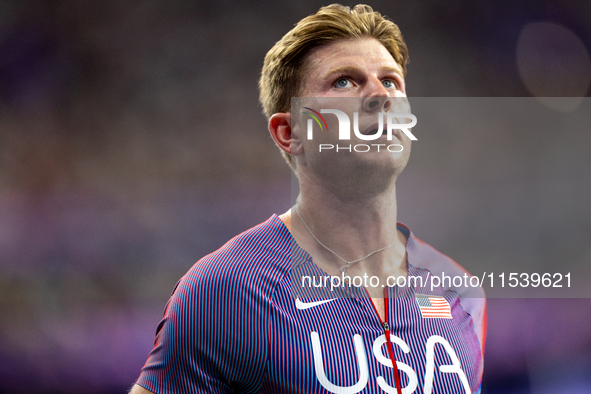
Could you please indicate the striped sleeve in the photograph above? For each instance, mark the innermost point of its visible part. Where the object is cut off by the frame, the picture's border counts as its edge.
(214, 334)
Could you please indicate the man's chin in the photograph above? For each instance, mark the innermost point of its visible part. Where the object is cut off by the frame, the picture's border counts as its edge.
(360, 179)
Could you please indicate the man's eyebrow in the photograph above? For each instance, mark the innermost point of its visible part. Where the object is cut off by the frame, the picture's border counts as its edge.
(389, 69)
(343, 70)
(353, 69)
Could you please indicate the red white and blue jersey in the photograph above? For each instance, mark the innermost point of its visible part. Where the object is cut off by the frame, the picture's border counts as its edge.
(233, 325)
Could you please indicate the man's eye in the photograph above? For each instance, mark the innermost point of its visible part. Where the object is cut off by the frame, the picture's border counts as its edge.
(388, 83)
(343, 83)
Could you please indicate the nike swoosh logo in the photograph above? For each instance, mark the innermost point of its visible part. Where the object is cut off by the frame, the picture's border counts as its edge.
(306, 305)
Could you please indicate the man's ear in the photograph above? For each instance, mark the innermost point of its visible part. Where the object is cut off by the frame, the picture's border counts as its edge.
(280, 129)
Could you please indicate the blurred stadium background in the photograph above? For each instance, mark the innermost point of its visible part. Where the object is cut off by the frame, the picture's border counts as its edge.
(132, 144)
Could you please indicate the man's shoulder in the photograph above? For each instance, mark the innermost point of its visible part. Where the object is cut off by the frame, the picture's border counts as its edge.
(423, 255)
(255, 256)
(445, 269)
(426, 256)
(221, 304)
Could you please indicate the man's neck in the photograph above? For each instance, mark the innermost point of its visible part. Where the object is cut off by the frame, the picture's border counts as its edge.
(349, 228)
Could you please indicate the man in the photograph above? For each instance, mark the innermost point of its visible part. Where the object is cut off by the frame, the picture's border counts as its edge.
(233, 323)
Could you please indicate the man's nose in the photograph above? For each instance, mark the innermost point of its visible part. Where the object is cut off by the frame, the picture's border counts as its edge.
(377, 104)
(377, 97)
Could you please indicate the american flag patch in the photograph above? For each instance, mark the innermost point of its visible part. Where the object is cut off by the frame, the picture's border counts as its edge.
(433, 306)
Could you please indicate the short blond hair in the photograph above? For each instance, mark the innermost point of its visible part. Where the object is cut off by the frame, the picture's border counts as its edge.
(283, 71)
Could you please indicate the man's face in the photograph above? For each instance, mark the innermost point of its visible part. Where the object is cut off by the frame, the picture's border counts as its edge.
(354, 75)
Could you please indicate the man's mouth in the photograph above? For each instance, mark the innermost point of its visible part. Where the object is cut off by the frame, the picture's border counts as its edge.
(373, 129)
